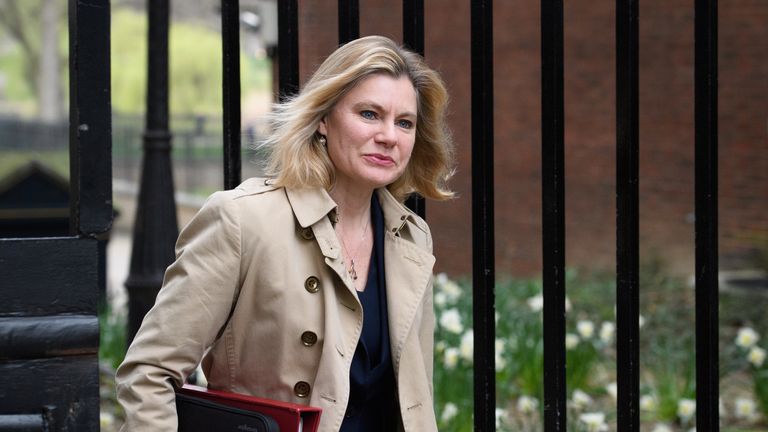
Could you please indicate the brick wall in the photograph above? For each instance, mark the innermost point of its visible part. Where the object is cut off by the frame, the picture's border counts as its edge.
(666, 126)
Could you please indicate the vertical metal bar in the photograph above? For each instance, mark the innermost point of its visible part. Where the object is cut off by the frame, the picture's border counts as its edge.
(413, 37)
(483, 265)
(349, 20)
(288, 47)
(155, 229)
(413, 25)
(90, 116)
(230, 41)
(553, 212)
(627, 217)
(707, 365)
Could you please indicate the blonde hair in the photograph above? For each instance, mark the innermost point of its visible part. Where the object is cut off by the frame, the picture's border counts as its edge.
(297, 159)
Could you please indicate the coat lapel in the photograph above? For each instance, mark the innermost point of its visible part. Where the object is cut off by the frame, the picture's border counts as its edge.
(408, 270)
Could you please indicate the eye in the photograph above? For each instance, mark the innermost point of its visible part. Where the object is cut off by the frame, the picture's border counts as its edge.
(405, 124)
(367, 114)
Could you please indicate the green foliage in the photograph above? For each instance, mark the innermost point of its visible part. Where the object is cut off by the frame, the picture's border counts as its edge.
(195, 65)
(666, 345)
(112, 344)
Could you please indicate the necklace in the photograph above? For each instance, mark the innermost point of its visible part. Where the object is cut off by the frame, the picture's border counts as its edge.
(351, 270)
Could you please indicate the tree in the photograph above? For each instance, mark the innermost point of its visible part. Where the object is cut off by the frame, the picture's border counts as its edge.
(35, 26)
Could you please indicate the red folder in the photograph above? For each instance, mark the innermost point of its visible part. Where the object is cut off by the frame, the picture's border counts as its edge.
(289, 416)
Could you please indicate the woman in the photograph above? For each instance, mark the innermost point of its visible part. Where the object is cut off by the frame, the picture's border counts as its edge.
(313, 286)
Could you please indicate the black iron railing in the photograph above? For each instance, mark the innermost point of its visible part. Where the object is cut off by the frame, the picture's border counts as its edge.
(553, 196)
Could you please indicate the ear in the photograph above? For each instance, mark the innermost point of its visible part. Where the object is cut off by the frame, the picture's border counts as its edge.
(322, 128)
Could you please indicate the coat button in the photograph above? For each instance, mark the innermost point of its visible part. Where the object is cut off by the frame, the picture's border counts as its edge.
(307, 234)
(312, 284)
(301, 389)
(308, 338)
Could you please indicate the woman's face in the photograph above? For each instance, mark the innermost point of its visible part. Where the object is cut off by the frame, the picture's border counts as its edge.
(371, 132)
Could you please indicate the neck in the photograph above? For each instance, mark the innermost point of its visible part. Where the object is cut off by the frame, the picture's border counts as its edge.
(352, 204)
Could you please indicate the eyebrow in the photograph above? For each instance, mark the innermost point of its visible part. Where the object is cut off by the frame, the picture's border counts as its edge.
(377, 107)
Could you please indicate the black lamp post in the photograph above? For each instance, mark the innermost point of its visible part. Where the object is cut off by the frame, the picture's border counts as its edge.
(155, 228)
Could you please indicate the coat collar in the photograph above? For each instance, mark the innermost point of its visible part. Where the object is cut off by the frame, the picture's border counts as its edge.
(310, 205)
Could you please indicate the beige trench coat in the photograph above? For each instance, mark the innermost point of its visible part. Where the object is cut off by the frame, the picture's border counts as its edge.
(259, 289)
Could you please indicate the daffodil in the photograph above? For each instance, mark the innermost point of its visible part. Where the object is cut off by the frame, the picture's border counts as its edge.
(536, 303)
(450, 320)
(451, 357)
(585, 328)
(648, 403)
(747, 337)
(686, 408)
(756, 356)
(594, 422)
(607, 330)
(449, 412)
(571, 340)
(745, 409)
(527, 405)
(467, 346)
(580, 400)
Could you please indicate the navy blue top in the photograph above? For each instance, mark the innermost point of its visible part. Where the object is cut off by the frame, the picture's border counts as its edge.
(372, 401)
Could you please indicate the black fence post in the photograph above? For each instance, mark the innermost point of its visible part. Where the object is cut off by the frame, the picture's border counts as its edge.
(483, 248)
(553, 213)
(707, 364)
(627, 217)
(288, 47)
(230, 40)
(155, 228)
(349, 20)
(413, 37)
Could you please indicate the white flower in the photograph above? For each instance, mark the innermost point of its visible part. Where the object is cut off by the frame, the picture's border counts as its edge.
(585, 328)
(440, 346)
(613, 390)
(661, 427)
(580, 399)
(467, 346)
(449, 411)
(568, 305)
(536, 303)
(501, 362)
(607, 329)
(451, 357)
(686, 408)
(571, 340)
(648, 403)
(595, 422)
(756, 356)
(450, 320)
(445, 285)
(106, 419)
(640, 321)
(747, 337)
(501, 415)
(441, 299)
(745, 409)
(527, 405)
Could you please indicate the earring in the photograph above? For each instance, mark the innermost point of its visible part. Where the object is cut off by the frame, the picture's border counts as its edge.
(323, 141)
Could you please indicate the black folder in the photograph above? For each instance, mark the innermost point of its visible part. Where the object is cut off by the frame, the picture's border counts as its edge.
(200, 415)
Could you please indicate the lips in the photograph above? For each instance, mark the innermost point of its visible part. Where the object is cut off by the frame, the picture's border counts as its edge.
(379, 159)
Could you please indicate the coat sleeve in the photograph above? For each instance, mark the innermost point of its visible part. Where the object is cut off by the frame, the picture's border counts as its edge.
(199, 290)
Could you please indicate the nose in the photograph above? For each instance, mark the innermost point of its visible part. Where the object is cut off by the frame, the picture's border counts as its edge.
(387, 134)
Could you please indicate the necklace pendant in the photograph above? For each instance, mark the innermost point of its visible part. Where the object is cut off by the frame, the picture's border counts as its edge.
(352, 271)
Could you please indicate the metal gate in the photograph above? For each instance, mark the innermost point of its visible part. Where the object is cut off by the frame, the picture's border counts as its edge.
(553, 186)
(49, 287)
